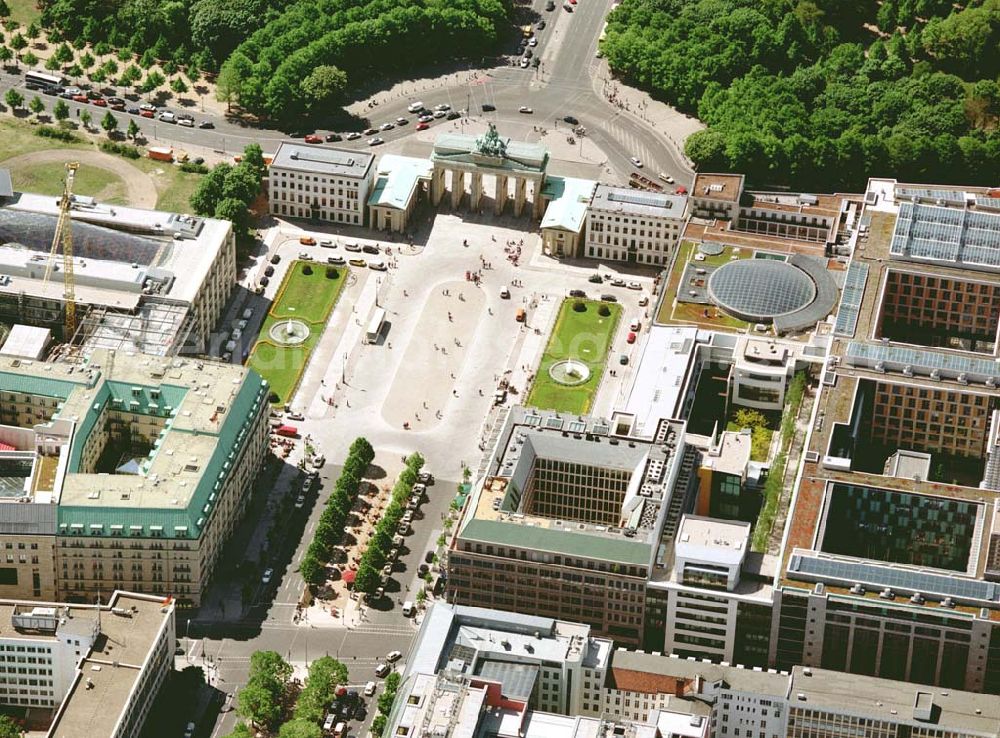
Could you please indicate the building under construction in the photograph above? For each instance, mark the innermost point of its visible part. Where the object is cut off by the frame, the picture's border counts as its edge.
(142, 280)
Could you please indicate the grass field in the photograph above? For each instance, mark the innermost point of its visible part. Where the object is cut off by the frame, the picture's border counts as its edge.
(585, 336)
(310, 298)
(24, 11)
(47, 179)
(17, 136)
(691, 312)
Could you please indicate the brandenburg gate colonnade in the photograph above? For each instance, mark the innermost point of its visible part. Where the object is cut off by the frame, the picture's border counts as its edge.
(516, 163)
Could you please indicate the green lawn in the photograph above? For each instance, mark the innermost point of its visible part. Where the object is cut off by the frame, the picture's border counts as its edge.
(686, 312)
(585, 336)
(174, 187)
(47, 179)
(309, 297)
(24, 11)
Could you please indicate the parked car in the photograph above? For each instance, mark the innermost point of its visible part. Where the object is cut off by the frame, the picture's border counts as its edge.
(623, 359)
(369, 248)
(633, 285)
(275, 259)
(609, 298)
(572, 120)
(425, 118)
(423, 126)
(353, 136)
(269, 271)
(206, 124)
(375, 141)
(300, 502)
(370, 131)
(312, 138)
(353, 247)
(266, 578)
(487, 108)
(186, 122)
(382, 670)
(357, 262)
(336, 260)
(630, 338)
(453, 115)
(147, 114)
(595, 278)
(333, 137)
(525, 109)
(439, 114)
(307, 240)
(387, 126)
(550, 6)
(370, 689)
(540, 25)
(415, 107)
(393, 656)
(577, 293)
(402, 121)
(636, 162)
(167, 117)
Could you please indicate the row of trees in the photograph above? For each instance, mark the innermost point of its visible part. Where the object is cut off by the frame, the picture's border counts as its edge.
(264, 699)
(227, 191)
(330, 529)
(805, 94)
(377, 552)
(385, 701)
(300, 62)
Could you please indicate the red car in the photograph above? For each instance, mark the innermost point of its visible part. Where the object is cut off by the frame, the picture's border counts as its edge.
(101, 103)
(630, 338)
(423, 126)
(147, 113)
(312, 138)
(80, 98)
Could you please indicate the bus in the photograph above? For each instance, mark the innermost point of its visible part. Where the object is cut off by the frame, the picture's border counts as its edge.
(41, 81)
(375, 325)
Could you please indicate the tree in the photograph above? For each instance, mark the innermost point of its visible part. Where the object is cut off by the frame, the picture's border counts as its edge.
(256, 703)
(4, 9)
(133, 129)
(235, 211)
(362, 449)
(209, 191)
(36, 105)
(300, 729)
(109, 123)
(29, 58)
(253, 156)
(242, 183)
(324, 86)
(14, 99)
(367, 578)
(242, 730)
(178, 85)
(87, 60)
(32, 31)
(131, 75)
(311, 569)
(153, 81)
(85, 118)
(18, 42)
(63, 54)
(271, 664)
(8, 728)
(60, 110)
(147, 59)
(748, 418)
(378, 724)
(229, 83)
(5, 54)
(52, 64)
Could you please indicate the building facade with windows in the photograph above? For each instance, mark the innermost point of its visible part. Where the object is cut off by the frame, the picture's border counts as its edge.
(134, 470)
(632, 226)
(320, 183)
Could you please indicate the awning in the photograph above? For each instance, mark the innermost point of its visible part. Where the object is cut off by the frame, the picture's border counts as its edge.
(349, 576)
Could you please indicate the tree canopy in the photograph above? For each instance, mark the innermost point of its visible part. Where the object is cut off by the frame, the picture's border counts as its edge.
(816, 94)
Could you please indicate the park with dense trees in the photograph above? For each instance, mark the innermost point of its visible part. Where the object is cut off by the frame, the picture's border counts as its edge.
(282, 59)
(821, 94)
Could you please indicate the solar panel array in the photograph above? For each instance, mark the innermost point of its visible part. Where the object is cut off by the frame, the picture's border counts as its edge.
(898, 579)
(953, 197)
(952, 365)
(850, 300)
(929, 232)
(990, 203)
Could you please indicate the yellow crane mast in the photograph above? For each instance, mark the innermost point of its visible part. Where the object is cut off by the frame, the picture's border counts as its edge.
(64, 236)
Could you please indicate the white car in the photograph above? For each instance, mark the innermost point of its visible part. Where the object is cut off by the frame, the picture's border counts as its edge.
(300, 502)
(387, 126)
(525, 109)
(525, 63)
(353, 136)
(533, 41)
(370, 689)
(637, 162)
(415, 107)
(168, 117)
(266, 578)
(382, 670)
(443, 106)
(439, 114)
(634, 285)
(375, 141)
(186, 122)
(393, 656)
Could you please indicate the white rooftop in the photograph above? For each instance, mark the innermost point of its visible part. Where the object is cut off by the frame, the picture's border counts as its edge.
(661, 376)
(26, 342)
(709, 539)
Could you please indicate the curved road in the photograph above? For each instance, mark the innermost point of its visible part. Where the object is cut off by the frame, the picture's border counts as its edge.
(566, 83)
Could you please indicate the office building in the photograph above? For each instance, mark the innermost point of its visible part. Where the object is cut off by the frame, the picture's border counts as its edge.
(632, 226)
(145, 281)
(320, 182)
(122, 470)
(567, 521)
(887, 567)
(475, 672)
(95, 670)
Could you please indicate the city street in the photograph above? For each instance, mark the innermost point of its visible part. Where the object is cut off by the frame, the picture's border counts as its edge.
(569, 81)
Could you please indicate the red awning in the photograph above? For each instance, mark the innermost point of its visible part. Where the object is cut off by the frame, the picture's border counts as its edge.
(349, 576)
(6, 447)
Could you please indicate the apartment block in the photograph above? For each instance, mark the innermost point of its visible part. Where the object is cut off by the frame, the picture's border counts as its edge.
(123, 470)
(320, 182)
(640, 227)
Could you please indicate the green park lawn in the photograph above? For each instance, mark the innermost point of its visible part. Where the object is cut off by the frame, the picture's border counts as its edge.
(690, 312)
(584, 336)
(310, 298)
(47, 179)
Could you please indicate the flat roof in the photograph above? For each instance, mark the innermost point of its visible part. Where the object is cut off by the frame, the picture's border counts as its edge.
(894, 701)
(642, 672)
(26, 342)
(303, 157)
(660, 379)
(569, 199)
(634, 202)
(108, 676)
(718, 186)
(701, 537)
(396, 180)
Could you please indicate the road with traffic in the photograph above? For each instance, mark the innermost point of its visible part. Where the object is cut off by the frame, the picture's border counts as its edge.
(567, 82)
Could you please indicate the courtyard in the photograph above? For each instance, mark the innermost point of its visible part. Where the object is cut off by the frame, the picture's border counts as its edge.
(573, 363)
(295, 323)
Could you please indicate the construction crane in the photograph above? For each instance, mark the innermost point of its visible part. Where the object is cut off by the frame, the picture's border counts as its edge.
(64, 236)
